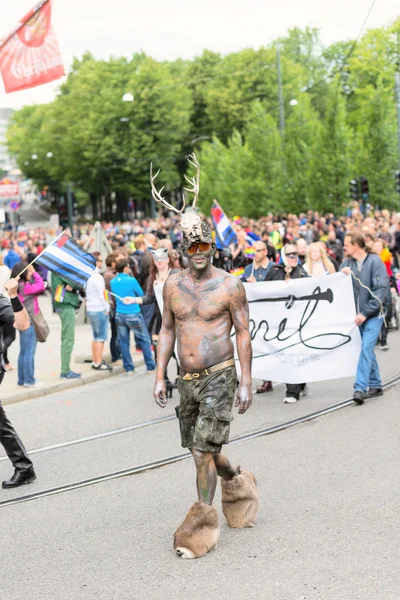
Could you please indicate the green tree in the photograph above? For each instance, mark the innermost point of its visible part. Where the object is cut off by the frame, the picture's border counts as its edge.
(331, 167)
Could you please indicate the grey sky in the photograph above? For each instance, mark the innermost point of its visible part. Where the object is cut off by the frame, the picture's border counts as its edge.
(167, 29)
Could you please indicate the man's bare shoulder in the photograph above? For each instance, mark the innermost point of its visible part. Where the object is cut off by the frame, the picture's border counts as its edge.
(234, 286)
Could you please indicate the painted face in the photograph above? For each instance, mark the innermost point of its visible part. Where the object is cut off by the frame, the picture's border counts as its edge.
(201, 255)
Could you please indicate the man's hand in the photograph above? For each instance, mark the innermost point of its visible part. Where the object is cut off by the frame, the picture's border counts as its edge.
(244, 397)
(346, 270)
(251, 279)
(160, 393)
(69, 288)
(129, 300)
(12, 288)
(359, 320)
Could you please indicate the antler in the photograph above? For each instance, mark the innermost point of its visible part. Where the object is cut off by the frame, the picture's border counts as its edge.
(194, 181)
(159, 198)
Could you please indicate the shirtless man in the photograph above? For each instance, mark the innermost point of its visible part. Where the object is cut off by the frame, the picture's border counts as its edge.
(201, 304)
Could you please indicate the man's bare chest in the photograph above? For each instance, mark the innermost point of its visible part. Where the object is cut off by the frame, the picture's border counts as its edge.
(204, 306)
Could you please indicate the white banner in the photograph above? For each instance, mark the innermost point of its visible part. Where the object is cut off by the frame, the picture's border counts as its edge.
(302, 330)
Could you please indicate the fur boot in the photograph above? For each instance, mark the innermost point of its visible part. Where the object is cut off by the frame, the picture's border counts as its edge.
(198, 533)
(240, 500)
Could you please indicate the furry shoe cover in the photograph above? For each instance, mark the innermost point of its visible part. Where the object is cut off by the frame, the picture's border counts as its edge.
(198, 533)
(240, 500)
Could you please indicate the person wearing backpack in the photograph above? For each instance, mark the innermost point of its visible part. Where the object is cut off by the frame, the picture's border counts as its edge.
(140, 262)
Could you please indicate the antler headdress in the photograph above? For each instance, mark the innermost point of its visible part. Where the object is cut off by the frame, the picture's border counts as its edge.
(193, 228)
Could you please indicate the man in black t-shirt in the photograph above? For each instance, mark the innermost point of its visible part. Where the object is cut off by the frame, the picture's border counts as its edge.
(13, 313)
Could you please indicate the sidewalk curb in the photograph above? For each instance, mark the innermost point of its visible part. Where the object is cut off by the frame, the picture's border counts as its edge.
(11, 397)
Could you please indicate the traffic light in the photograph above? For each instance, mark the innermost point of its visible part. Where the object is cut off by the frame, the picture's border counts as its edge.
(62, 212)
(364, 185)
(75, 210)
(354, 189)
(397, 181)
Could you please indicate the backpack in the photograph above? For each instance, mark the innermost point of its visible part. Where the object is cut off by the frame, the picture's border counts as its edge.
(135, 263)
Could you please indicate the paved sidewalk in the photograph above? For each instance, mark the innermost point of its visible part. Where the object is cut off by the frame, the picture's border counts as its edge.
(48, 361)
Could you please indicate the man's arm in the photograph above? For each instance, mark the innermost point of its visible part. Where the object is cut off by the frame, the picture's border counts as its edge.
(16, 314)
(239, 310)
(165, 347)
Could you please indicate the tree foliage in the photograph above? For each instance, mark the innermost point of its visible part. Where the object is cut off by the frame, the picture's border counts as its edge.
(226, 109)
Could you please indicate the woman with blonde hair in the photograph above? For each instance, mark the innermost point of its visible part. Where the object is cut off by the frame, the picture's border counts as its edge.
(317, 262)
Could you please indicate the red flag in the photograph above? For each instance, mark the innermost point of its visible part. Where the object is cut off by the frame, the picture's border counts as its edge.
(30, 55)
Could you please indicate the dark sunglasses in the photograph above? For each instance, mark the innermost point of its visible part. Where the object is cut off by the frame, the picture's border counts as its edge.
(202, 246)
(292, 255)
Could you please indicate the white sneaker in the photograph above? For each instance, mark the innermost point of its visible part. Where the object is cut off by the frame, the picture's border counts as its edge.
(304, 392)
(37, 384)
(290, 400)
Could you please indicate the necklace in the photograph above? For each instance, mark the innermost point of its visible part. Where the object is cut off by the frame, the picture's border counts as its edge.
(162, 278)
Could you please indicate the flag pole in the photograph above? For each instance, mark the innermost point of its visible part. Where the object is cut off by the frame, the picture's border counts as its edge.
(39, 255)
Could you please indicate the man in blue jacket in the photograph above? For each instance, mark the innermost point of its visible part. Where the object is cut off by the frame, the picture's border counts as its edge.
(371, 271)
(129, 318)
(12, 258)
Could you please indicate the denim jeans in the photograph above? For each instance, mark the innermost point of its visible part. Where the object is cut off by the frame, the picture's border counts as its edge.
(126, 324)
(368, 375)
(26, 358)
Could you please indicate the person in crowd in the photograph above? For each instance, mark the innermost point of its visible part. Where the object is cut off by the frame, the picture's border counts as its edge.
(143, 261)
(271, 252)
(386, 257)
(335, 246)
(128, 317)
(8, 330)
(109, 274)
(289, 268)
(14, 314)
(97, 310)
(30, 285)
(317, 262)
(66, 301)
(371, 305)
(13, 257)
(258, 269)
(257, 272)
(161, 269)
(302, 250)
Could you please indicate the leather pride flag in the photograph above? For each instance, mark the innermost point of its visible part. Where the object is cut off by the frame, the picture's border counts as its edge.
(29, 55)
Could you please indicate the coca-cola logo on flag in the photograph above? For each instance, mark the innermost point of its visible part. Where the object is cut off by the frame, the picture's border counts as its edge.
(34, 32)
(31, 55)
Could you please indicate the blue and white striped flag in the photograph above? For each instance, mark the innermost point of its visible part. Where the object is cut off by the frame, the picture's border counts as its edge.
(225, 235)
(67, 259)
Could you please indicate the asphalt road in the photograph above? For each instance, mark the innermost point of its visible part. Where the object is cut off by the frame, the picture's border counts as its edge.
(328, 527)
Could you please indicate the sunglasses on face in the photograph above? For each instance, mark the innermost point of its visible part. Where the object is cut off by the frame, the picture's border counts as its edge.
(202, 246)
(292, 255)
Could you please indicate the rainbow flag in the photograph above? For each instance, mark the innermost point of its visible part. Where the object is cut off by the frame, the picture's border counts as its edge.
(59, 294)
(237, 272)
(107, 296)
(249, 252)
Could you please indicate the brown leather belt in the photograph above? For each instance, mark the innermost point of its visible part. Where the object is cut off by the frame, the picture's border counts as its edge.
(204, 372)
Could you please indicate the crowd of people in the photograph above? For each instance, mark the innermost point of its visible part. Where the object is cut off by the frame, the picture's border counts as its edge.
(121, 293)
(145, 252)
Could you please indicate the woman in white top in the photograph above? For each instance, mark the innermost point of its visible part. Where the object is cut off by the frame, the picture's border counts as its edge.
(317, 261)
(97, 310)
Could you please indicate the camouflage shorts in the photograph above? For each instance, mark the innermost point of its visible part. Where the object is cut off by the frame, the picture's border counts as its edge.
(205, 410)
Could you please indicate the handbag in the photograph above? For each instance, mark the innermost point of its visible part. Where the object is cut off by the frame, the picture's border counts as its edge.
(42, 329)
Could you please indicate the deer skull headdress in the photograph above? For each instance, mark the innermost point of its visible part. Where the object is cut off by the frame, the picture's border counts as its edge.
(193, 228)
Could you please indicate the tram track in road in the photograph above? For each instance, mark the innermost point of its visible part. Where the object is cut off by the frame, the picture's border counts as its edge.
(170, 459)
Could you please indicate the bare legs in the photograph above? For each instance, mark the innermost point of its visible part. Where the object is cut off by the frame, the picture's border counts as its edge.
(97, 352)
(208, 466)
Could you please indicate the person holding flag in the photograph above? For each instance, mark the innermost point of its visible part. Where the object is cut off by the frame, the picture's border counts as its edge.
(71, 268)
